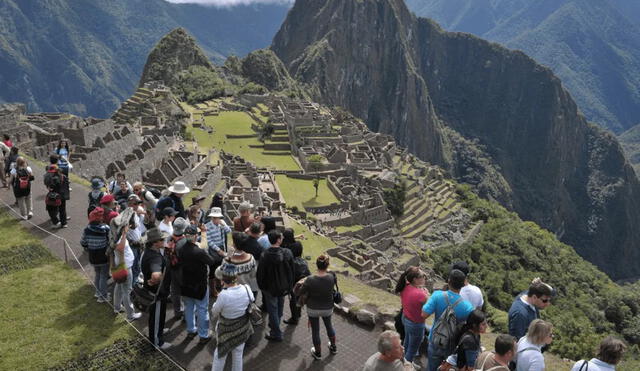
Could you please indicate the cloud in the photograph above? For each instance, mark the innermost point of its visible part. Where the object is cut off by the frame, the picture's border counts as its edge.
(228, 3)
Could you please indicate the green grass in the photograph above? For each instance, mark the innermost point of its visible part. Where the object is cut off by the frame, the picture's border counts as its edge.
(301, 193)
(238, 123)
(352, 228)
(49, 314)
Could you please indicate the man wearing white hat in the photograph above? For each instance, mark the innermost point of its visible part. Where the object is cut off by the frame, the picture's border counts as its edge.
(174, 200)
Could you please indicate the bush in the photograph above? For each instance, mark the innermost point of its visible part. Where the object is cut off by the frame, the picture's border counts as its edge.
(198, 84)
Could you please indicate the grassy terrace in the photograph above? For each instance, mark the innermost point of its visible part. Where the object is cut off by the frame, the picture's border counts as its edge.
(300, 192)
(238, 123)
(49, 315)
(352, 228)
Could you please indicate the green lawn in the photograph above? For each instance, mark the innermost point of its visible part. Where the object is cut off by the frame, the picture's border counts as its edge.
(49, 315)
(239, 123)
(300, 192)
(352, 228)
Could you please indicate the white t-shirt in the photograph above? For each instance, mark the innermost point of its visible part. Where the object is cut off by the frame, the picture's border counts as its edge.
(232, 302)
(128, 255)
(473, 294)
(594, 365)
(166, 228)
(14, 171)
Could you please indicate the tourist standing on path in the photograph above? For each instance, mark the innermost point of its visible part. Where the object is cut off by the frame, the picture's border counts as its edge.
(114, 185)
(251, 244)
(123, 254)
(526, 307)
(413, 296)
(4, 153)
(498, 360)
(242, 222)
(319, 290)
(194, 287)
(174, 199)
(268, 225)
(437, 304)
(216, 229)
(63, 153)
(610, 353)
(95, 241)
(58, 187)
(174, 243)
(275, 279)
(218, 201)
(136, 232)
(469, 292)
(201, 216)
(21, 178)
(168, 216)
(95, 195)
(389, 356)
(468, 343)
(108, 203)
(123, 194)
(245, 265)
(300, 270)
(149, 201)
(233, 327)
(157, 279)
(529, 356)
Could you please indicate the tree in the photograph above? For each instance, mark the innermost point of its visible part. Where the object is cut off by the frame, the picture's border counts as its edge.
(395, 197)
(315, 165)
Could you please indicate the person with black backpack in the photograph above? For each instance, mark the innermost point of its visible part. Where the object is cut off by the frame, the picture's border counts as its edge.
(58, 193)
(275, 279)
(95, 195)
(450, 311)
(300, 270)
(468, 343)
(21, 178)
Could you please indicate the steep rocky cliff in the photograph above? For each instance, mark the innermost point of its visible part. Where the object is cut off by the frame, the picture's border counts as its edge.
(407, 77)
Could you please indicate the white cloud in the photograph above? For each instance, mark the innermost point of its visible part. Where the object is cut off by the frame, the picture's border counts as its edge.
(228, 3)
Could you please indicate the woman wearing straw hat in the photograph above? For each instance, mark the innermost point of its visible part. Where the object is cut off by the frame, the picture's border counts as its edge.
(234, 326)
(174, 200)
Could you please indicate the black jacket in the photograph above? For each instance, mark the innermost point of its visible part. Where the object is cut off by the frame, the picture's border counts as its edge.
(251, 246)
(170, 201)
(194, 265)
(275, 271)
(61, 186)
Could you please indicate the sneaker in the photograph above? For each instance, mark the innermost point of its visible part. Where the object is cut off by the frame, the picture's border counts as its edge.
(273, 338)
(165, 346)
(118, 311)
(30, 216)
(315, 354)
(204, 340)
(96, 295)
(333, 348)
(68, 218)
(134, 316)
(416, 365)
(191, 335)
(291, 321)
(56, 225)
(64, 226)
(101, 299)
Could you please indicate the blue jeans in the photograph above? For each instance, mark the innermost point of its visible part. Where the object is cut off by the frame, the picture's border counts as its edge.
(100, 280)
(275, 308)
(435, 356)
(200, 308)
(413, 335)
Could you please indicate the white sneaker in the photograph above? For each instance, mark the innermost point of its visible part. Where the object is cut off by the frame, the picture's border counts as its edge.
(134, 317)
(165, 346)
(101, 299)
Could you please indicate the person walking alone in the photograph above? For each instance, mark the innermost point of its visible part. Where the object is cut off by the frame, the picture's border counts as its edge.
(21, 178)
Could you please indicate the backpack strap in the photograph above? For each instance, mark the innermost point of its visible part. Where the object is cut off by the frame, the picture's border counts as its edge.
(446, 298)
(585, 363)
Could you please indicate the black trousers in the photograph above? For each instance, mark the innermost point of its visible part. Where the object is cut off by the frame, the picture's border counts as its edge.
(296, 311)
(157, 314)
(58, 214)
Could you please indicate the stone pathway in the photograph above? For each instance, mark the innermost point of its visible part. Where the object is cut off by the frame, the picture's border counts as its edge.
(355, 343)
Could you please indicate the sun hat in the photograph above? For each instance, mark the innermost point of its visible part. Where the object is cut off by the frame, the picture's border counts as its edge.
(179, 188)
(244, 206)
(154, 235)
(179, 225)
(96, 184)
(215, 212)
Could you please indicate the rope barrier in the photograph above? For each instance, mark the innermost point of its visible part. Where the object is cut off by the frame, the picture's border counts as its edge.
(86, 275)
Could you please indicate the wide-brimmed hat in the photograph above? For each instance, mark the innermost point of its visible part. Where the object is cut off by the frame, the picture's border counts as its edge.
(154, 235)
(179, 187)
(96, 184)
(179, 225)
(215, 212)
(244, 206)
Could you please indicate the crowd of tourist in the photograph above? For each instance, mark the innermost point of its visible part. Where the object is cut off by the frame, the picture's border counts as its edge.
(156, 251)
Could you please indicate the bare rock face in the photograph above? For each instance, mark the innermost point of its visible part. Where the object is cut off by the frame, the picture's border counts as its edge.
(439, 92)
(175, 52)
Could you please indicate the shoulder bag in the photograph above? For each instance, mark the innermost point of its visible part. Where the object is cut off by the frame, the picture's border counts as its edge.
(253, 311)
(337, 296)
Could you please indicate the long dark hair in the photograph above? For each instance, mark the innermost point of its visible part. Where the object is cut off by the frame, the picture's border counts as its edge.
(288, 238)
(66, 144)
(407, 277)
(475, 319)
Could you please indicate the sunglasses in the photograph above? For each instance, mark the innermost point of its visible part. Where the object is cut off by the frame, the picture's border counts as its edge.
(545, 300)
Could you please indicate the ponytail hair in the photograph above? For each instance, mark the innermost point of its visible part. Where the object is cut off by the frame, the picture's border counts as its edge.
(407, 277)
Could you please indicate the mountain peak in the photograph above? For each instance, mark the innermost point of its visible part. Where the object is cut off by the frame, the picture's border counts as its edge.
(176, 51)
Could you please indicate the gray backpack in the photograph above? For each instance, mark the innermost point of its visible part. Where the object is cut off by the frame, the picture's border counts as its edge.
(445, 332)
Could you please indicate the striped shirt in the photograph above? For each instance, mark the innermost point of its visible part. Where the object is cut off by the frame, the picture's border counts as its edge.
(215, 236)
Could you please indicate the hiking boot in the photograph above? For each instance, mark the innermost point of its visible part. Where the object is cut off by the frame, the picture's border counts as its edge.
(314, 354)
(333, 348)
